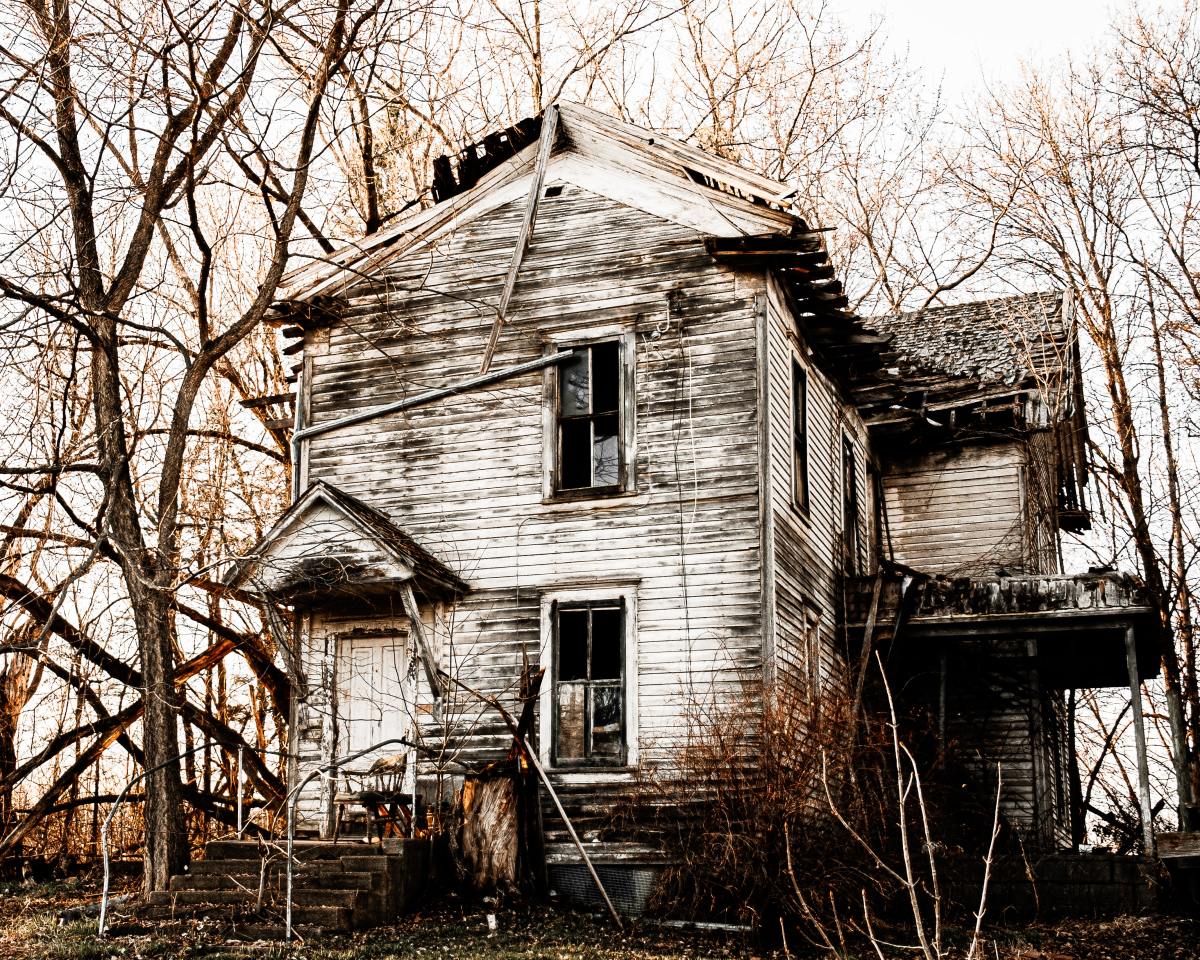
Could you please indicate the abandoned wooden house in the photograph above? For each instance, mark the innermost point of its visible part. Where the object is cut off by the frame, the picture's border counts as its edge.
(603, 409)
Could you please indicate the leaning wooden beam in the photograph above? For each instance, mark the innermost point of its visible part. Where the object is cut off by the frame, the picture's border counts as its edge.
(428, 659)
(1139, 733)
(429, 396)
(864, 659)
(549, 129)
(587, 861)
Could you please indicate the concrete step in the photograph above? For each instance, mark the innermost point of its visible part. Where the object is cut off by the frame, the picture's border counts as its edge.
(324, 916)
(190, 898)
(301, 849)
(267, 930)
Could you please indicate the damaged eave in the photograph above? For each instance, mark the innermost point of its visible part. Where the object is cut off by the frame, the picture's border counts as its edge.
(1080, 620)
(854, 355)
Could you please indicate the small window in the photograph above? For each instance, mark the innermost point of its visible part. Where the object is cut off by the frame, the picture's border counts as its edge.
(850, 509)
(589, 683)
(590, 428)
(799, 436)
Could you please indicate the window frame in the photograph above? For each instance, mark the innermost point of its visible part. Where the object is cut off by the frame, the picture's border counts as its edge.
(624, 594)
(589, 683)
(625, 339)
(801, 493)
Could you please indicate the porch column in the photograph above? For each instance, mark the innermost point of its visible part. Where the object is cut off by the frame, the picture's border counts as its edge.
(1139, 732)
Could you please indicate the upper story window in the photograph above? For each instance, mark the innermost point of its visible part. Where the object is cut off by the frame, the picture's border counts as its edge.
(590, 435)
(589, 682)
(799, 436)
(850, 507)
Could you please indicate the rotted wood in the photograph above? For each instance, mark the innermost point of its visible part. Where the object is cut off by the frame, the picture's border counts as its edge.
(864, 656)
(489, 836)
(255, 402)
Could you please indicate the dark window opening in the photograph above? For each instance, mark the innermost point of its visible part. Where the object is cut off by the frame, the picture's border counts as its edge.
(799, 436)
(589, 683)
(589, 418)
(553, 191)
(850, 510)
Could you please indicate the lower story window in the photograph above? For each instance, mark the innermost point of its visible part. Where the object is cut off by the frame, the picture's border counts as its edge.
(589, 682)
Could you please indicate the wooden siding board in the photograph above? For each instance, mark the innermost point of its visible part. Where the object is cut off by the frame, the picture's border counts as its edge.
(959, 512)
(806, 547)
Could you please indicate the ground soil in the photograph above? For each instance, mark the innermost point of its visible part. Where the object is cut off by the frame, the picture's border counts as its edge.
(53, 922)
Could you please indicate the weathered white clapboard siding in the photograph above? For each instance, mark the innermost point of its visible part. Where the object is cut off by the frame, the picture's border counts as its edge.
(1042, 515)
(806, 547)
(1000, 715)
(465, 476)
(960, 511)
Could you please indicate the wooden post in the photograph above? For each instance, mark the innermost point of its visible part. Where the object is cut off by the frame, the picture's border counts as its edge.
(1139, 732)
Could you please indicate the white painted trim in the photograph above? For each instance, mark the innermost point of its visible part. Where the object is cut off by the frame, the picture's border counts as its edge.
(623, 590)
(583, 336)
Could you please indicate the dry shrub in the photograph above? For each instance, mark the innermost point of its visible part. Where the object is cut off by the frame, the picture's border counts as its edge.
(784, 815)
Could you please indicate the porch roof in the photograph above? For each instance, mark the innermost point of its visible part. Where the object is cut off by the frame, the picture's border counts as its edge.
(1079, 620)
(329, 543)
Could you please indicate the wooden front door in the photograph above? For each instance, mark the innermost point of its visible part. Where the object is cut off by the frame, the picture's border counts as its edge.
(374, 692)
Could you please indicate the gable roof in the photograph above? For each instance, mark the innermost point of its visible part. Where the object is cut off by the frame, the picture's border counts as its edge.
(329, 539)
(970, 351)
(599, 153)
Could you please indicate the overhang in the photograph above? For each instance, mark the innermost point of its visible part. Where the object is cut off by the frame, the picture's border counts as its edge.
(330, 544)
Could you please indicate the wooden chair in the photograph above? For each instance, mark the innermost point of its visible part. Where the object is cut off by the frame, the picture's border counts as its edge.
(379, 794)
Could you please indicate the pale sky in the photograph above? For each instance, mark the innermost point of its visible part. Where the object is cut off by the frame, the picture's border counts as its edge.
(963, 43)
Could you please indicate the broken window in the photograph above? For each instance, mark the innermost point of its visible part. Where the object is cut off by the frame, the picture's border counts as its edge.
(850, 511)
(799, 436)
(589, 682)
(589, 419)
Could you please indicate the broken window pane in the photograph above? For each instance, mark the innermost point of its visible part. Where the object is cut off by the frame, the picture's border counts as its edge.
(589, 682)
(571, 716)
(575, 441)
(606, 377)
(606, 720)
(606, 454)
(589, 418)
(575, 381)
(572, 644)
(606, 644)
(799, 436)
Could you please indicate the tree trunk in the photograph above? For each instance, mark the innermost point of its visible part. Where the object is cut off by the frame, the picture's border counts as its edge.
(167, 845)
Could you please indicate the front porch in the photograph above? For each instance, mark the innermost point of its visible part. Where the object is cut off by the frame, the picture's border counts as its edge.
(991, 660)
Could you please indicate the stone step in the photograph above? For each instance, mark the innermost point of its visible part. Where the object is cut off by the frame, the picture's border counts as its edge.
(275, 880)
(328, 896)
(191, 898)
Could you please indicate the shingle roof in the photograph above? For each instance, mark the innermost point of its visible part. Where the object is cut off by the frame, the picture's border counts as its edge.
(948, 351)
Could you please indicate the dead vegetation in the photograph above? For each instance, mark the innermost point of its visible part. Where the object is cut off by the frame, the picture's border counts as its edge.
(834, 838)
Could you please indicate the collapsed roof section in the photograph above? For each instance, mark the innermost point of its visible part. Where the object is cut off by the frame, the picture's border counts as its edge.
(954, 356)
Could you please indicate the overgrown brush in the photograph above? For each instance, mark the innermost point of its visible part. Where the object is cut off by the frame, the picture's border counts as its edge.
(806, 821)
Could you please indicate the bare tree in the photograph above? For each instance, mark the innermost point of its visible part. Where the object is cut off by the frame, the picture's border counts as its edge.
(126, 124)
